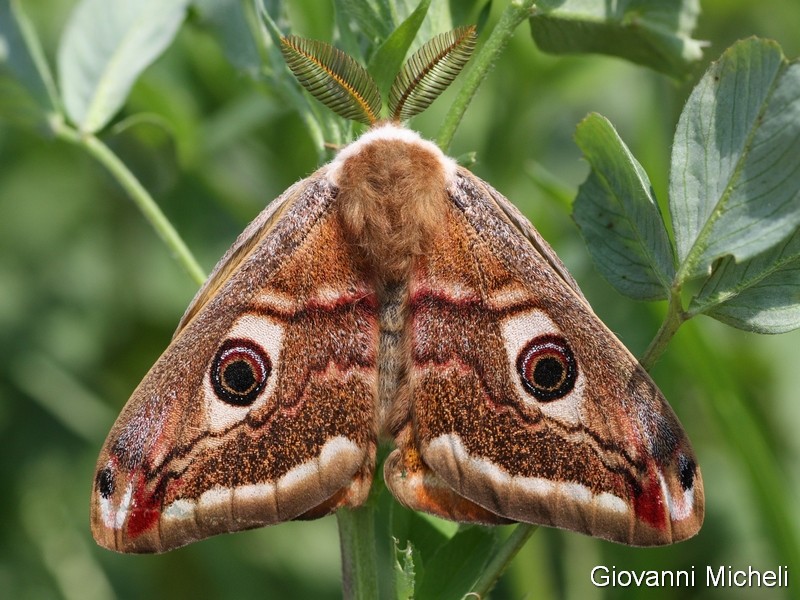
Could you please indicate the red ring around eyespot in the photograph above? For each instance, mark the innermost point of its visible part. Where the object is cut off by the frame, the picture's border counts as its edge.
(239, 371)
(547, 367)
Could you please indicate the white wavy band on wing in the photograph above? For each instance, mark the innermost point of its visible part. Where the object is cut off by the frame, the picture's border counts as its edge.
(448, 450)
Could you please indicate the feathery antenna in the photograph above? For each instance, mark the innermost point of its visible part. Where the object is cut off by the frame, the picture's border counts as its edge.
(333, 78)
(344, 86)
(429, 72)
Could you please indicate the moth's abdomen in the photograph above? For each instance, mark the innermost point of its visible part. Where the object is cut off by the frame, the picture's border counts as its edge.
(392, 401)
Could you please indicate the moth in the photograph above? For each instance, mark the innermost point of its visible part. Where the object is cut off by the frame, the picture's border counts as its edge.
(393, 294)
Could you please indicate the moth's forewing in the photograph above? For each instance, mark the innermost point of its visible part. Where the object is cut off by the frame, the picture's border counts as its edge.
(525, 403)
(262, 408)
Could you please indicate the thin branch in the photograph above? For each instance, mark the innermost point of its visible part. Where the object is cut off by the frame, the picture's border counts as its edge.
(674, 318)
(140, 196)
(502, 558)
(359, 560)
(477, 69)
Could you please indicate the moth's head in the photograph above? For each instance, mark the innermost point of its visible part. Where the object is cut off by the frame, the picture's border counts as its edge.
(344, 86)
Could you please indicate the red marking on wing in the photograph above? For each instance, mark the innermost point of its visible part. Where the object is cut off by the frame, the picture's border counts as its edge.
(649, 504)
(145, 509)
(362, 297)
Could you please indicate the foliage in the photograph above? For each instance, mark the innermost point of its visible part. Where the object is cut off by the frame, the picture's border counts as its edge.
(191, 103)
(734, 197)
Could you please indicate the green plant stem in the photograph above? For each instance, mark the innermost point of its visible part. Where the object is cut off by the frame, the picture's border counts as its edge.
(674, 318)
(359, 564)
(143, 200)
(501, 559)
(477, 69)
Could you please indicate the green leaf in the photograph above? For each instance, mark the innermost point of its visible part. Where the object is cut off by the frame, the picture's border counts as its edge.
(735, 175)
(333, 78)
(229, 22)
(761, 294)
(370, 17)
(404, 571)
(407, 524)
(452, 570)
(653, 33)
(618, 216)
(21, 50)
(429, 71)
(385, 63)
(425, 533)
(322, 125)
(439, 19)
(464, 12)
(483, 16)
(105, 47)
(350, 37)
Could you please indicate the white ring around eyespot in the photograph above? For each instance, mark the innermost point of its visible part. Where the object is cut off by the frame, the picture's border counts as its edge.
(517, 332)
(268, 334)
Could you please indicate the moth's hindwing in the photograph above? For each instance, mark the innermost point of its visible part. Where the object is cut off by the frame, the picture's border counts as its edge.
(524, 406)
(262, 409)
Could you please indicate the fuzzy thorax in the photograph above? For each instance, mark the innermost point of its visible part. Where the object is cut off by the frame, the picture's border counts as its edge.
(392, 197)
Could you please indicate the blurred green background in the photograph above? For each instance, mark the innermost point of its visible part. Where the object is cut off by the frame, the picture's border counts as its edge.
(89, 298)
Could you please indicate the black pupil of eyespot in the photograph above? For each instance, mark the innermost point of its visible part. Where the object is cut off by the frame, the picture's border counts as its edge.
(548, 372)
(547, 368)
(239, 376)
(239, 372)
